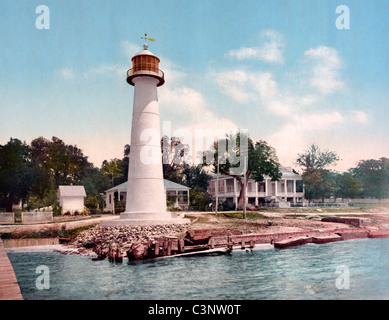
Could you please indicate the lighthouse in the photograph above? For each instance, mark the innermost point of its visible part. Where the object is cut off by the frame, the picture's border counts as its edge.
(146, 196)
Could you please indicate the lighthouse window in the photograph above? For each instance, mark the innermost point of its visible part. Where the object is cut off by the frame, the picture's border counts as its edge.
(145, 63)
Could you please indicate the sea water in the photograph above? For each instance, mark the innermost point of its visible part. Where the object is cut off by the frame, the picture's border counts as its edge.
(353, 269)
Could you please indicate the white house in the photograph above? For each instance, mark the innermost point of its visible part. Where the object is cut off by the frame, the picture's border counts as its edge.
(180, 192)
(288, 190)
(71, 198)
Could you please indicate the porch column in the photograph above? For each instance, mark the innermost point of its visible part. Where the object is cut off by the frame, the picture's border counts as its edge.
(256, 193)
(176, 202)
(236, 194)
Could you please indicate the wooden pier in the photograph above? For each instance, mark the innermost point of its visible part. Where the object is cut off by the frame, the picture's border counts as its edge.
(9, 287)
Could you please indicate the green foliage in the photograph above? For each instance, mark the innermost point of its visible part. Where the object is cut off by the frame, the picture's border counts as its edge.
(173, 158)
(47, 233)
(113, 169)
(319, 182)
(170, 199)
(94, 201)
(17, 173)
(349, 186)
(315, 159)
(239, 215)
(57, 209)
(199, 198)
(374, 177)
(49, 198)
(260, 156)
(195, 176)
(64, 164)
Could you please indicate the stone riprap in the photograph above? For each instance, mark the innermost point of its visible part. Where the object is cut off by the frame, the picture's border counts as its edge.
(123, 237)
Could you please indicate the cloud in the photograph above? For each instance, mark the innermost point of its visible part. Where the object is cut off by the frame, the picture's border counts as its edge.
(302, 130)
(130, 48)
(109, 69)
(66, 73)
(358, 116)
(325, 69)
(244, 86)
(270, 50)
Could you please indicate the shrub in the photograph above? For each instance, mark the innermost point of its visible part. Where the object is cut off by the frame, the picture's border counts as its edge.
(173, 209)
(57, 209)
(84, 212)
(76, 213)
(67, 213)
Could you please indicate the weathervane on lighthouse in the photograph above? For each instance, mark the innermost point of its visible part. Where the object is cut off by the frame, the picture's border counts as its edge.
(145, 46)
(146, 196)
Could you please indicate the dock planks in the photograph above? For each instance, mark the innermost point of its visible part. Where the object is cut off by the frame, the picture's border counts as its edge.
(9, 287)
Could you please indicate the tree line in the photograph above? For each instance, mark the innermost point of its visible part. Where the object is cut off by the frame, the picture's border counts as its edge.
(32, 173)
(369, 179)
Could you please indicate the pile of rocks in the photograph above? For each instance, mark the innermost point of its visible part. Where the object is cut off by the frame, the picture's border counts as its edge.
(123, 237)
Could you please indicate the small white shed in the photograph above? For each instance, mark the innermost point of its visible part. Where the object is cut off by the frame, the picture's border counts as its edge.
(71, 198)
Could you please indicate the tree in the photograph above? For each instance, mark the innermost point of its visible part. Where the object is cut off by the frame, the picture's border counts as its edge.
(314, 159)
(113, 169)
(17, 172)
(348, 186)
(173, 158)
(261, 160)
(199, 198)
(195, 176)
(95, 183)
(318, 181)
(374, 177)
(65, 164)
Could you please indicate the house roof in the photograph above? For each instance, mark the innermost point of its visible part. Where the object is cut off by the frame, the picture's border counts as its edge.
(72, 191)
(174, 186)
(285, 171)
(169, 185)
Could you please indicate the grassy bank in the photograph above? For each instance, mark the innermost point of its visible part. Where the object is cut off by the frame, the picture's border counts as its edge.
(46, 233)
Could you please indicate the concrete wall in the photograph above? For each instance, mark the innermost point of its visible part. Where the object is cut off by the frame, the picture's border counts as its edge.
(36, 217)
(15, 243)
(7, 217)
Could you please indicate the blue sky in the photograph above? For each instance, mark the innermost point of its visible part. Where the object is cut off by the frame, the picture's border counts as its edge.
(280, 69)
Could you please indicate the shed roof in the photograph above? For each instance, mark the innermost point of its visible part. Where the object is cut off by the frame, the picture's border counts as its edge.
(72, 191)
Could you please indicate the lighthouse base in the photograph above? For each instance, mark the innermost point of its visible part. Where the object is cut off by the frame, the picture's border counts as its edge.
(145, 218)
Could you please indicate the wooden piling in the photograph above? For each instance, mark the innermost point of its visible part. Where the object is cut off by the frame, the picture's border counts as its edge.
(211, 244)
(164, 247)
(156, 249)
(243, 244)
(169, 248)
(252, 244)
(181, 247)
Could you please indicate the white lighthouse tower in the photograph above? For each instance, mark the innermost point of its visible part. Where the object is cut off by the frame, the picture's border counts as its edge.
(146, 196)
